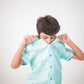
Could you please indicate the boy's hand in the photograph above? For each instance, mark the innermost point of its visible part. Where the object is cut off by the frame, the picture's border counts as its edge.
(28, 38)
(64, 38)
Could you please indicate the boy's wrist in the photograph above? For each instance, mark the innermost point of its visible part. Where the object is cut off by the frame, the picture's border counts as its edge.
(69, 42)
(23, 44)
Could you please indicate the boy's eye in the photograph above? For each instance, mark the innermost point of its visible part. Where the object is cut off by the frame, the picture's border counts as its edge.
(51, 37)
(45, 38)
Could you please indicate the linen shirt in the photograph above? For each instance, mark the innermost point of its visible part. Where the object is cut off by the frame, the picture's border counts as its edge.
(45, 60)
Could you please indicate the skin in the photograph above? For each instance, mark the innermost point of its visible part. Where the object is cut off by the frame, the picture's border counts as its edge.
(17, 61)
(64, 38)
(79, 55)
(48, 38)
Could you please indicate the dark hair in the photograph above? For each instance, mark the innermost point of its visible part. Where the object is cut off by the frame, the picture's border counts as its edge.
(48, 25)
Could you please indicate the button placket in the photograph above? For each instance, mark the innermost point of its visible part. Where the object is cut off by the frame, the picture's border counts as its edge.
(50, 64)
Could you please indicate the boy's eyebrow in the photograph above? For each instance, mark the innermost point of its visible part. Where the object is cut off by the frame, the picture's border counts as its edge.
(46, 36)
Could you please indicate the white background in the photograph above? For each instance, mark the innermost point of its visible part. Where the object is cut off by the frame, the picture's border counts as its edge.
(18, 18)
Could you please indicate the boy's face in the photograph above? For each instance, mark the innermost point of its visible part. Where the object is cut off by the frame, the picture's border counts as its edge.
(48, 38)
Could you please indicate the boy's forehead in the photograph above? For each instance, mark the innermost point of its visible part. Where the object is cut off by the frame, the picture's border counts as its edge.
(43, 34)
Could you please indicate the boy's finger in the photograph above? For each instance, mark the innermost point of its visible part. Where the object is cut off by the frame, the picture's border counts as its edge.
(30, 38)
(34, 36)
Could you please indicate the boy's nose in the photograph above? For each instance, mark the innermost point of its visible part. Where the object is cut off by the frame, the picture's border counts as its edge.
(48, 41)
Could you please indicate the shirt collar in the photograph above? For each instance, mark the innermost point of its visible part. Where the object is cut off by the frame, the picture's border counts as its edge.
(43, 42)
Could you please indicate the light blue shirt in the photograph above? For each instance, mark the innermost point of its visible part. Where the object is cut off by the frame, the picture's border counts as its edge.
(45, 60)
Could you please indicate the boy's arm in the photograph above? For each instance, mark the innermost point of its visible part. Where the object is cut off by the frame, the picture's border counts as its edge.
(78, 53)
(17, 61)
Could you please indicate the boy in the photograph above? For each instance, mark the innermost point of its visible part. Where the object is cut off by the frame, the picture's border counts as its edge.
(45, 51)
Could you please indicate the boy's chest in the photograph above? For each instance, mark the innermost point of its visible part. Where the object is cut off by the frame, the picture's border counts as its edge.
(50, 54)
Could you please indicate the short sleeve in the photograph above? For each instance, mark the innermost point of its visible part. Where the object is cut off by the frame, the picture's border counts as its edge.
(66, 53)
(26, 57)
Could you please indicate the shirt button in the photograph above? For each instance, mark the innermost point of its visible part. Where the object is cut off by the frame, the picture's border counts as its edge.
(50, 66)
(50, 55)
(50, 78)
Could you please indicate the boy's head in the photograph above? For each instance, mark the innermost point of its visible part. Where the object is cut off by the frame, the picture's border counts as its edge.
(47, 28)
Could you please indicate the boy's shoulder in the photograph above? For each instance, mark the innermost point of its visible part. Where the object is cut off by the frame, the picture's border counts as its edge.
(58, 42)
(36, 43)
(40, 43)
